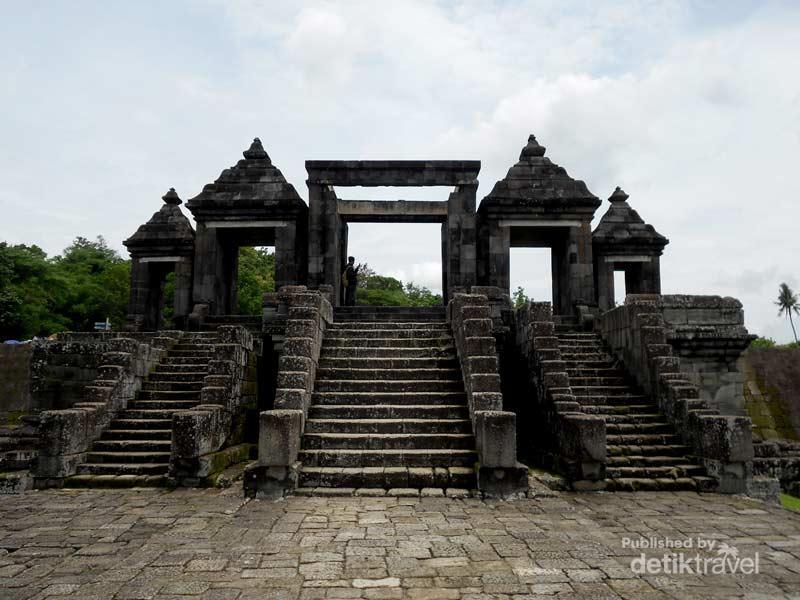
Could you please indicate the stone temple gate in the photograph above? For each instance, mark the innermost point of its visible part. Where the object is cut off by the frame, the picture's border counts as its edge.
(537, 204)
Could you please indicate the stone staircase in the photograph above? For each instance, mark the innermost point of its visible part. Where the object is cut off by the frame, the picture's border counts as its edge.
(644, 451)
(250, 322)
(135, 449)
(389, 410)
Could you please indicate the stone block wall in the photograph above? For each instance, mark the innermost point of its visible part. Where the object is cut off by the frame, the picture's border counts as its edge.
(772, 391)
(563, 438)
(308, 314)
(199, 435)
(66, 435)
(15, 379)
(709, 336)
(470, 318)
(638, 335)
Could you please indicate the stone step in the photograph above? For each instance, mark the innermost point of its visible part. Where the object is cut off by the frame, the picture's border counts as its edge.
(389, 411)
(144, 457)
(368, 342)
(137, 434)
(170, 368)
(637, 428)
(581, 345)
(608, 391)
(613, 402)
(633, 418)
(172, 386)
(647, 450)
(132, 445)
(414, 424)
(388, 441)
(148, 424)
(620, 409)
(418, 399)
(123, 469)
(388, 325)
(190, 347)
(447, 352)
(583, 371)
(115, 481)
(636, 439)
(385, 318)
(168, 395)
(654, 472)
(389, 458)
(388, 477)
(387, 334)
(136, 414)
(178, 376)
(578, 336)
(207, 354)
(389, 363)
(586, 358)
(682, 484)
(162, 404)
(193, 361)
(598, 382)
(417, 310)
(384, 375)
(654, 460)
(399, 385)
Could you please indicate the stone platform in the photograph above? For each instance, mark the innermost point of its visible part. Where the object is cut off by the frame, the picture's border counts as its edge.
(149, 543)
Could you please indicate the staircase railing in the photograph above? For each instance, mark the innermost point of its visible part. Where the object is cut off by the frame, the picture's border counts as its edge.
(208, 437)
(65, 436)
(724, 445)
(499, 473)
(566, 439)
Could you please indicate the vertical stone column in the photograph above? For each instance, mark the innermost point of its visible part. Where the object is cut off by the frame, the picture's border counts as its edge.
(209, 268)
(461, 237)
(286, 267)
(604, 282)
(183, 288)
(444, 261)
(500, 257)
(230, 277)
(140, 292)
(577, 264)
(323, 242)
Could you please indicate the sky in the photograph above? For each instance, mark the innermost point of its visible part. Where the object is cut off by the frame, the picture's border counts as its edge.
(692, 107)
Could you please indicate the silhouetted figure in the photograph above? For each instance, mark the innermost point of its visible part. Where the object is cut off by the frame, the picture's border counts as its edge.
(350, 281)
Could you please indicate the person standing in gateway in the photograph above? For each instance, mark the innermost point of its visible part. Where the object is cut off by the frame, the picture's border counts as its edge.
(350, 281)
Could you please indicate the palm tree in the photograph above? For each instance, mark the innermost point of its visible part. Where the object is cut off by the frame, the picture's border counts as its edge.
(788, 303)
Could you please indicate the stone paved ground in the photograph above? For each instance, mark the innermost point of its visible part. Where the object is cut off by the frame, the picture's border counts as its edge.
(213, 544)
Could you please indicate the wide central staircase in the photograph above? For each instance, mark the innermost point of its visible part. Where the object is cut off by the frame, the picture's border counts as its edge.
(136, 447)
(389, 411)
(644, 452)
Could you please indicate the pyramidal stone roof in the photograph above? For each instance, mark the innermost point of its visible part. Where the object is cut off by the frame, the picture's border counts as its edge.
(537, 182)
(168, 227)
(622, 226)
(254, 185)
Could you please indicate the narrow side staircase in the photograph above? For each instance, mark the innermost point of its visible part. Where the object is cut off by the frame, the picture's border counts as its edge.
(644, 452)
(135, 449)
(389, 410)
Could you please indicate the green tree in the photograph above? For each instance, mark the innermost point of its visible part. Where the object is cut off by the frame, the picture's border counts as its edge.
(519, 297)
(256, 276)
(380, 290)
(788, 303)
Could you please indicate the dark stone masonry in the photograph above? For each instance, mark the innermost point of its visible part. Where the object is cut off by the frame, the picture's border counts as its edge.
(424, 421)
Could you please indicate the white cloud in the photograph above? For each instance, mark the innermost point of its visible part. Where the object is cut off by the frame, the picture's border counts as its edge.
(695, 111)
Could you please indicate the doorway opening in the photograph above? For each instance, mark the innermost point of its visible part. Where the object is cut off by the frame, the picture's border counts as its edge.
(619, 288)
(255, 275)
(531, 275)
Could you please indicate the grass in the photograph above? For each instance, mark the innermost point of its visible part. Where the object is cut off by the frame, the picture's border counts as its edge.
(790, 502)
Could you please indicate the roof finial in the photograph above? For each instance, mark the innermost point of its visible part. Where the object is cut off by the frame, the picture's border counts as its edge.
(618, 196)
(171, 197)
(533, 148)
(256, 150)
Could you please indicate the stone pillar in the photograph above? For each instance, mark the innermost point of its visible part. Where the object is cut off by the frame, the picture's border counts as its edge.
(230, 278)
(445, 262)
(139, 297)
(576, 263)
(183, 289)
(461, 228)
(604, 283)
(323, 241)
(500, 257)
(286, 267)
(209, 266)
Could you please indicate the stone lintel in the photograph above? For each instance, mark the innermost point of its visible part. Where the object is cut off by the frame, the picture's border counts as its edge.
(229, 224)
(164, 259)
(539, 223)
(393, 211)
(414, 173)
(621, 258)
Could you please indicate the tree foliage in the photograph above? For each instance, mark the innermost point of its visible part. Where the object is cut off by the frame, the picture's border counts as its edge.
(519, 298)
(788, 303)
(380, 290)
(256, 276)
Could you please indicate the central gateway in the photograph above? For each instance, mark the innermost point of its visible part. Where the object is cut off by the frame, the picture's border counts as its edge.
(329, 215)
